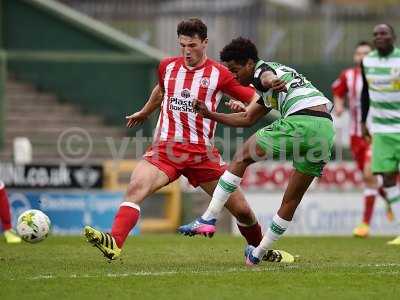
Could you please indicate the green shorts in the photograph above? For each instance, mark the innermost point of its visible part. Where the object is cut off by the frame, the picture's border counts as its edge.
(307, 140)
(385, 152)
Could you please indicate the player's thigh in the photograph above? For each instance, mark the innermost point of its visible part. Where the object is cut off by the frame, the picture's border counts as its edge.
(272, 141)
(236, 204)
(390, 178)
(250, 150)
(146, 178)
(309, 167)
(317, 139)
(276, 140)
(384, 153)
(208, 167)
(360, 150)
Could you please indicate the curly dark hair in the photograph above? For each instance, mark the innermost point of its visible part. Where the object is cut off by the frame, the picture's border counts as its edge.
(191, 27)
(240, 50)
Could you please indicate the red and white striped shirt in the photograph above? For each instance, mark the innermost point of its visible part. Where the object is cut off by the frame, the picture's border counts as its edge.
(349, 85)
(178, 122)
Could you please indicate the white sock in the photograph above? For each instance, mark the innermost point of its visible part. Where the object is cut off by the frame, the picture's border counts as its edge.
(392, 193)
(131, 204)
(227, 184)
(370, 192)
(275, 231)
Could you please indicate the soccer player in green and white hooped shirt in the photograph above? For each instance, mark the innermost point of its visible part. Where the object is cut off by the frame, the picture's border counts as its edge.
(381, 100)
(304, 133)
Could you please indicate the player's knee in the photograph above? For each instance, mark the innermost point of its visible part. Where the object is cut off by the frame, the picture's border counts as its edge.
(248, 155)
(389, 179)
(369, 180)
(137, 190)
(241, 157)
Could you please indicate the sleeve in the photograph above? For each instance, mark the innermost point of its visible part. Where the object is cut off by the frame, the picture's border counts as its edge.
(230, 86)
(160, 74)
(364, 97)
(161, 70)
(261, 102)
(257, 77)
(339, 86)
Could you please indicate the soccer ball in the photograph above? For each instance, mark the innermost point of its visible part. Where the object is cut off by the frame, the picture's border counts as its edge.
(33, 226)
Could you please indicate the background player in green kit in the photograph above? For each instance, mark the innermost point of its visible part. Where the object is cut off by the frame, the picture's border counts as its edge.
(304, 134)
(380, 101)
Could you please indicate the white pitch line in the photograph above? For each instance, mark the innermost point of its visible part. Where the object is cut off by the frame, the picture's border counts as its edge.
(144, 273)
(213, 272)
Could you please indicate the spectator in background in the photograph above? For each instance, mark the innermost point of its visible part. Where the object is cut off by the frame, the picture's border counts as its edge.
(348, 87)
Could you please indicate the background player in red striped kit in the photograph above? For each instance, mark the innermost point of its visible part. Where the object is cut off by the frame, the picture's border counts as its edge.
(5, 217)
(349, 86)
(183, 140)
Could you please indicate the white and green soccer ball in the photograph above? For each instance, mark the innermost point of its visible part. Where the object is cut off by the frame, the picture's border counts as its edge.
(33, 226)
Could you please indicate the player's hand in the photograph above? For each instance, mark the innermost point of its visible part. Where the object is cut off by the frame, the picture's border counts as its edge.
(365, 133)
(200, 107)
(278, 85)
(235, 106)
(339, 109)
(338, 104)
(135, 119)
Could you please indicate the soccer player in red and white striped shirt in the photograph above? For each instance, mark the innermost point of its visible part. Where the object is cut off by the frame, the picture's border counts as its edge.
(349, 86)
(5, 217)
(183, 141)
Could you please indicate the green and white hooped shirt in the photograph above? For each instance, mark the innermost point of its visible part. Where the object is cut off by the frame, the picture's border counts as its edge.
(300, 93)
(383, 77)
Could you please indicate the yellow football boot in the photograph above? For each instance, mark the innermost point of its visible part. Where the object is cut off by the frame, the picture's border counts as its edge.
(102, 241)
(396, 241)
(361, 231)
(11, 237)
(278, 256)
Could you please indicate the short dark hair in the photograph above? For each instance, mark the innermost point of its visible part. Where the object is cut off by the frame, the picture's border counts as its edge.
(364, 43)
(391, 28)
(239, 50)
(191, 27)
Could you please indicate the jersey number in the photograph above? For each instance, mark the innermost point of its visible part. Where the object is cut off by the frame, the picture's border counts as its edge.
(298, 80)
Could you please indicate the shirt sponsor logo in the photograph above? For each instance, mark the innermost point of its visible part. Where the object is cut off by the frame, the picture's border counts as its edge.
(382, 81)
(183, 103)
(185, 93)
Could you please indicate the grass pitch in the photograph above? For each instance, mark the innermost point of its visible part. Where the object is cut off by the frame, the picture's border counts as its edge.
(177, 267)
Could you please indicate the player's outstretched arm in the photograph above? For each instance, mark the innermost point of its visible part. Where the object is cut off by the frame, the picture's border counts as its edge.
(235, 105)
(151, 105)
(251, 115)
